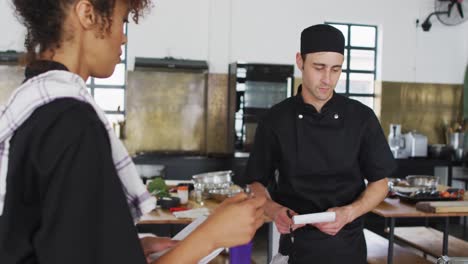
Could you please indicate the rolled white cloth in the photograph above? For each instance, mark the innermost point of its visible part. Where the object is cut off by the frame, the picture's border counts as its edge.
(314, 218)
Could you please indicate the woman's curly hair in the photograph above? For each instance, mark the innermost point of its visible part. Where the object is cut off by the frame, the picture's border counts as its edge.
(43, 20)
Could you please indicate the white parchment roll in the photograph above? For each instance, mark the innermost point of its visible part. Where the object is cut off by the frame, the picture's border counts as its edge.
(314, 218)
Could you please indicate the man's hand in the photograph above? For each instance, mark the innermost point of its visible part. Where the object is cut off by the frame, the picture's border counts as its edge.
(275, 211)
(369, 199)
(283, 221)
(156, 244)
(343, 217)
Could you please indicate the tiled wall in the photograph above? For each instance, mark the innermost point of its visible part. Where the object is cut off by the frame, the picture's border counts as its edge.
(220, 109)
(165, 112)
(176, 112)
(207, 127)
(427, 108)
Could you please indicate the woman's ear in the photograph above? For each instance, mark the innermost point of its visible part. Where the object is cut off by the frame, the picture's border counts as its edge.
(85, 12)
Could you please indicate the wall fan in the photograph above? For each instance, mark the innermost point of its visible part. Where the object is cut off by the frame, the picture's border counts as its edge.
(448, 12)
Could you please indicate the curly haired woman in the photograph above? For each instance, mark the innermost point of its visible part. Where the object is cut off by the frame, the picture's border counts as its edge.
(69, 192)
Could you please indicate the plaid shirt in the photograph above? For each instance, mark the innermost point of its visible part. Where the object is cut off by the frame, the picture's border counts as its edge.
(43, 89)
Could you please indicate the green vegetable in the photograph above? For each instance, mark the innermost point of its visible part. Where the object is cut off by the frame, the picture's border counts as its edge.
(158, 187)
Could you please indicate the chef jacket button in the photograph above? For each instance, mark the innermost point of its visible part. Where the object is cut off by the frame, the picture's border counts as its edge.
(300, 116)
(336, 116)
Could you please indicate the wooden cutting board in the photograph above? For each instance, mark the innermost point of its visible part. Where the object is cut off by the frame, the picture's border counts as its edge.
(443, 207)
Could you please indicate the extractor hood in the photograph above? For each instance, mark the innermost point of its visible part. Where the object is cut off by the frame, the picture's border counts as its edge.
(170, 64)
(10, 57)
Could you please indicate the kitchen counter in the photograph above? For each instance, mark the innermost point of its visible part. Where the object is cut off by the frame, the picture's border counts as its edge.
(182, 167)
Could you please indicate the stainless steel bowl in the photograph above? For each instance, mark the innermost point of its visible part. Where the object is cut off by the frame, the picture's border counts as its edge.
(423, 181)
(214, 180)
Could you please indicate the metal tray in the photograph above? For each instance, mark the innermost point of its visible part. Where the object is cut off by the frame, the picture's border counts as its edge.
(408, 199)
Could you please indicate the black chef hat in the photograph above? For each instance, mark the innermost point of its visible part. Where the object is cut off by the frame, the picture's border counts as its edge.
(320, 38)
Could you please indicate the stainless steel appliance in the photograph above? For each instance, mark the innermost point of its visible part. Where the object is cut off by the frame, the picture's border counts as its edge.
(411, 144)
(257, 87)
(397, 141)
(416, 144)
(457, 143)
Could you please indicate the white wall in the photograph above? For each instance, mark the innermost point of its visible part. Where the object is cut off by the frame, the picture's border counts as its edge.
(175, 28)
(223, 31)
(13, 32)
(268, 31)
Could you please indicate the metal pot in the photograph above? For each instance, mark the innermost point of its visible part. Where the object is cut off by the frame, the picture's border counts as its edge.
(423, 181)
(456, 140)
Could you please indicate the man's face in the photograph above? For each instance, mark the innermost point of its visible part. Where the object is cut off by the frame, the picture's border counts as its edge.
(320, 74)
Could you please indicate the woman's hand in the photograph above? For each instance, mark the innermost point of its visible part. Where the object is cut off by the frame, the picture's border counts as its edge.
(152, 245)
(235, 221)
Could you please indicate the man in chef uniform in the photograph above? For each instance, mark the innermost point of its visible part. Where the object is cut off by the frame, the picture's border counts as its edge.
(314, 151)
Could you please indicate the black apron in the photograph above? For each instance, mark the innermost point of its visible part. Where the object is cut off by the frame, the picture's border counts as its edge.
(312, 246)
(322, 177)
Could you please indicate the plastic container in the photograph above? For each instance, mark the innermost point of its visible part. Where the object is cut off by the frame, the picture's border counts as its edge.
(182, 192)
(241, 254)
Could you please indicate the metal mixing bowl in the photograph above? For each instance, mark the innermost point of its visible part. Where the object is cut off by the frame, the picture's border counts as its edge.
(423, 181)
(214, 180)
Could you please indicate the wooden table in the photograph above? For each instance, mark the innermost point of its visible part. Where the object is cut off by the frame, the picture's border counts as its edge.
(161, 216)
(393, 208)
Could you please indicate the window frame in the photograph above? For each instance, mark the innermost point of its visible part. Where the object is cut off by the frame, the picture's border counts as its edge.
(348, 49)
(92, 84)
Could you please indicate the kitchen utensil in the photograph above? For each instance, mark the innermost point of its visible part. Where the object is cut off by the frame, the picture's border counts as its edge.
(215, 179)
(456, 139)
(222, 194)
(214, 182)
(168, 202)
(425, 181)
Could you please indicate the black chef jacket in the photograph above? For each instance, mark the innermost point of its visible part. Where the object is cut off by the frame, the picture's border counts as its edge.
(321, 161)
(64, 200)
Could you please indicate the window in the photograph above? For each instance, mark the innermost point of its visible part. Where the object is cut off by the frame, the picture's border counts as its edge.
(359, 67)
(109, 93)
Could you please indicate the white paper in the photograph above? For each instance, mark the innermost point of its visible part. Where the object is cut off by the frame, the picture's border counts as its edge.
(314, 218)
(183, 234)
(192, 213)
